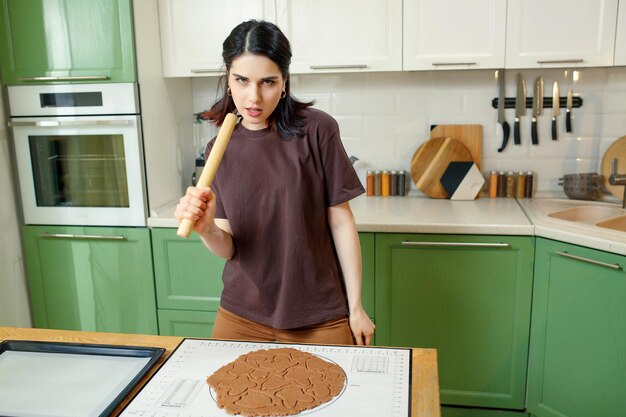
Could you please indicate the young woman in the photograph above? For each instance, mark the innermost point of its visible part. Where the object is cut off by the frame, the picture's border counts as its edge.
(278, 208)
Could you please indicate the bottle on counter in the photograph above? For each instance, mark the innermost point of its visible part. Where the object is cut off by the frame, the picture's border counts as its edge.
(510, 184)
(493, 184)
(393, 183)
(370, 183)
(385, 184)
(520, 186)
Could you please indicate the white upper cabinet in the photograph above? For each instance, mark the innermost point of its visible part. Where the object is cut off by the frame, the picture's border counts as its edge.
(560, 33)
(452, 34)
(620, 39)
(192, 32)
(342, 36)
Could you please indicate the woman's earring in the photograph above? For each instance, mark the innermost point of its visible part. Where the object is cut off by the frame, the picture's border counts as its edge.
(284, 94)
(228, 91)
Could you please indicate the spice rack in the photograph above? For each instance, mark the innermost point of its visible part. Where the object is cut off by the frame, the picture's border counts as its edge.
(387, 183)
(510, 185)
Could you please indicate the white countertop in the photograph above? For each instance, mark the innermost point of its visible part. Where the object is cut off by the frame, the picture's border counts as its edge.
(418, 213)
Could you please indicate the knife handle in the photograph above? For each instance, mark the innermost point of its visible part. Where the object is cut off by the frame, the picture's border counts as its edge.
(533, 132)
(553, 128)
(516, 133)
(568, 121)
(506, 131)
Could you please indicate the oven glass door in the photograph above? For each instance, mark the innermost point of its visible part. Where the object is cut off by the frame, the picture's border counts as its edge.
(83, 170)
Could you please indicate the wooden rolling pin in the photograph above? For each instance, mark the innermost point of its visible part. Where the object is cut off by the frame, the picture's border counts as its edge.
(210, 168)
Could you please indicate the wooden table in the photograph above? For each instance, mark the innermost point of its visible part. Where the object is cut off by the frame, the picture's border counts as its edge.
(425, 380)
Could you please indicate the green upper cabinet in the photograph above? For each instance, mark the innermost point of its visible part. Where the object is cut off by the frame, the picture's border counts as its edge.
(467, 296)
(43, 41)
(91, 278)
(578, 341)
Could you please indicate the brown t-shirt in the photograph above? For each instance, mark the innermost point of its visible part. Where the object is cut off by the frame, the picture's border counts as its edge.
(275, 194)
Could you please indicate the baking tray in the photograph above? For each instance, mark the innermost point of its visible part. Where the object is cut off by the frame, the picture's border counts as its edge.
(44, 379)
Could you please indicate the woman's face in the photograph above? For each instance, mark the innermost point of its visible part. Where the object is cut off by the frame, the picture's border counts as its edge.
(256, 85)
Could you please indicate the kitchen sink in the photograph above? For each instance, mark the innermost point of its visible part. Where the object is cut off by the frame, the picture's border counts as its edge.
(615, 223)
(588, 214)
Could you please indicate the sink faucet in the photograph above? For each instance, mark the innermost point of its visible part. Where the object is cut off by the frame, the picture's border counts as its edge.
(618, 179)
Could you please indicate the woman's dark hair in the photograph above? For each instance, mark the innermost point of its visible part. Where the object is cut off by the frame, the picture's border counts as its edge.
(266, 39)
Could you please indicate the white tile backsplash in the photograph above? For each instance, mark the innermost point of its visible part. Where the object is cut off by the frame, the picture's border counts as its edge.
(385, 117)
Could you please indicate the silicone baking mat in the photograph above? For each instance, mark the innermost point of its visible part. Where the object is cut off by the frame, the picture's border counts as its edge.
(65, 379)
(378, 380)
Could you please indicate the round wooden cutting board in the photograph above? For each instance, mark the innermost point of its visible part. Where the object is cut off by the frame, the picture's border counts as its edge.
(617, 150)
(430, 161)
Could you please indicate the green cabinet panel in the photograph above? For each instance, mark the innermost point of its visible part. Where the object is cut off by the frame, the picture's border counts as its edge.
(91, 278)
(187, 275)
(479, 412)
(368, 257)
(467, 296)
(186, 323)
(66, 38)
(578, 341)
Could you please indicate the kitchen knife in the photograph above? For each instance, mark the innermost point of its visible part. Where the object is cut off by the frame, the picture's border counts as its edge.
(506, 129)
(537, 109)
(568, 111)
(556, 107)
(520, 108)
(211, 165)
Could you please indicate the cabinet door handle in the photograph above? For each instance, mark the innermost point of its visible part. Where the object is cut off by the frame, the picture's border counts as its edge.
(562, 61)
(590, 261)
(57, 123)
(323, 67)
(457, 244)
(67, 78)
(79, 237)
(206, 71)
(443, 64)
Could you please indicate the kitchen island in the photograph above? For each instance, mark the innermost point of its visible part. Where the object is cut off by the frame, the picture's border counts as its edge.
(424, 382)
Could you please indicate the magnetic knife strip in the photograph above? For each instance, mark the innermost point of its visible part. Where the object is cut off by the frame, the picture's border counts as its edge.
(509, 102)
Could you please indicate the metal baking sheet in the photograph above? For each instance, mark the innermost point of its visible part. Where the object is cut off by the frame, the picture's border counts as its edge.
(378, 380)
(45, 379)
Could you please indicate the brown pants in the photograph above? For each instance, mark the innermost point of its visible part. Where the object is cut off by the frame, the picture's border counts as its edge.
(231, 326)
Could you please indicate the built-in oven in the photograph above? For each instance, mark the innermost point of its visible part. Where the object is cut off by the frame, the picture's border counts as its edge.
(79, 154)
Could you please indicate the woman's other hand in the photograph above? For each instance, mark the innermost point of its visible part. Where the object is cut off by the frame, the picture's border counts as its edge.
(362, 327)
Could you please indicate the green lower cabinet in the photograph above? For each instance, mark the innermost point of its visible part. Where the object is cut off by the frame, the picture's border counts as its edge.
(467, 296)
(187, 275)
(186, 323)
(578, 341)
(449, 411)
(91, 278)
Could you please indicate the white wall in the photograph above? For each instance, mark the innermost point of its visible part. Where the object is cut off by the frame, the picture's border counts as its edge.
(385, 117)
(14, 307)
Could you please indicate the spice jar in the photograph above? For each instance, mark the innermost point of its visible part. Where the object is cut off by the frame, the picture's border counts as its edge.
(501, 184)
(520, 187)
(493, 184)
(402, 182)
(510, 184)
(377, 182)
(370, 183)
(529, 184)
(393, 183)
(385, 184)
